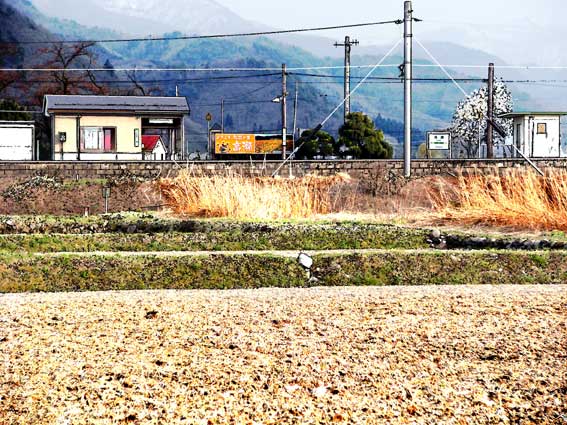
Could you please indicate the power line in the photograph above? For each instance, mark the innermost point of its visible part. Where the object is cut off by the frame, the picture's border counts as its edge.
(20, 112)
(203, 37)
(388, 78)
(527, 67)
(249, 102)
(248, 93)
(374, 80)
(135, 69)
(265, 69)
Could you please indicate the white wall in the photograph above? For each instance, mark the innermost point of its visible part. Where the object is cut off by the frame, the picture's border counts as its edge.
(16, 143)
(99, 157)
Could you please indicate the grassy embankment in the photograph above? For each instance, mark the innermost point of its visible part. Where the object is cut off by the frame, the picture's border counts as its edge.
(95, 273)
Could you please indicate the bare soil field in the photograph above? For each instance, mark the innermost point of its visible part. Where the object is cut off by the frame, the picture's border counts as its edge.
(425, 355)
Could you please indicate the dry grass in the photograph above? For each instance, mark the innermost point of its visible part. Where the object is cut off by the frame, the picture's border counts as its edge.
(238, 197)
(518, 198)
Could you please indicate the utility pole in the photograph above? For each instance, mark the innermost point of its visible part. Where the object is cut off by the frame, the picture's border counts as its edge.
(348, 48)
(408, 74)
(222, 115)
(490, 114)
(295, 112)
(284, 111)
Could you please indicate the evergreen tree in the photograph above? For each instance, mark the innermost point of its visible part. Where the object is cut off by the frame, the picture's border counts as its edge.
(109, 67)
(323, 144)
(228, 122)
(10, 105)
(359, 138)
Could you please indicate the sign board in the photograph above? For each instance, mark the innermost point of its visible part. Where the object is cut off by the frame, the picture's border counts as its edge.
(168, 121)
(438, 141)
(250, 144)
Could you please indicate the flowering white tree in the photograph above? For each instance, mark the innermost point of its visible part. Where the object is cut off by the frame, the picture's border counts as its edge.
(469, 121)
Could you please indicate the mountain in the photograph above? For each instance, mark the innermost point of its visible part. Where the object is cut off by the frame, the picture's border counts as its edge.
(64, 28)
(144, 17)
(92, 14)
(15, 27)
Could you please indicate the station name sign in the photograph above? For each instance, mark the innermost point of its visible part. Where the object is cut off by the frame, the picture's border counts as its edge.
(439, 141)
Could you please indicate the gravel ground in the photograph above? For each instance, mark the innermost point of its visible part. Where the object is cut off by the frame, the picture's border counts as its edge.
(343, 355)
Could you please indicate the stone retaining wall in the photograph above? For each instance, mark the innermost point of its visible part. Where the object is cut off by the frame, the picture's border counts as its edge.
(151, 170)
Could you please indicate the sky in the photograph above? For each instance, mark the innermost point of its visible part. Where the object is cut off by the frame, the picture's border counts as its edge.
(516, 30)
(320, 11)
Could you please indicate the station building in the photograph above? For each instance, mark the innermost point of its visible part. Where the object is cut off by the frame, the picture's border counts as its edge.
(107, 128)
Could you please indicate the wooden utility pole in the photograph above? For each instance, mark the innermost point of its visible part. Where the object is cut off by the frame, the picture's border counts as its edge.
(348, 49)
(284, 111)
(490, 114)
(408, 72)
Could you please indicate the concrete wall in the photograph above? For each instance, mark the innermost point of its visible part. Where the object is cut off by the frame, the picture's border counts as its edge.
(357, 169)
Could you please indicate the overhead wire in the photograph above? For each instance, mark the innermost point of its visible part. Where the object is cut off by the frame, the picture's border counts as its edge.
(441, 66)
(204, 37)
(266, 69)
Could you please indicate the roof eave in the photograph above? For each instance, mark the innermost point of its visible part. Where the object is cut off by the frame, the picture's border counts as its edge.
(529, 113)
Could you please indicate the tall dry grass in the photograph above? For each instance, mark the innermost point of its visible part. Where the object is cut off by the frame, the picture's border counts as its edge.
(233, 196)
(516, 198)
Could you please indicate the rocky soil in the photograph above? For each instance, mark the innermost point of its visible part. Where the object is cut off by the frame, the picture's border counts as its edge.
(424, 355)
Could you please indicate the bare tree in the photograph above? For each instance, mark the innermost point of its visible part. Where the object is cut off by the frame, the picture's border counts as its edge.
(139, 88)
(65, 79)
(9, 78)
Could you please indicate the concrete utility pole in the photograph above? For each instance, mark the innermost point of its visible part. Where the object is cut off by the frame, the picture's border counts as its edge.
(295, 112)
(408, 74)
(284, 111)
(490, 114)
(348, 48)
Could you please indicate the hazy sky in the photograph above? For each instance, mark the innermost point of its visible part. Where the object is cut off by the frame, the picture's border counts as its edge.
(517, 30)
(323, 11)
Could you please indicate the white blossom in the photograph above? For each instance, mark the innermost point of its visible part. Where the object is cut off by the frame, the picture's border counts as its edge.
(473, 110)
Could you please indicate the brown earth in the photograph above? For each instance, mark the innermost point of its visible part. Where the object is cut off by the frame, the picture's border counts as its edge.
(422, 355)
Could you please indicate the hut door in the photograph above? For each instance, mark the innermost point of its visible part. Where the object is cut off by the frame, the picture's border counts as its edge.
(108, 140)
(545, 141)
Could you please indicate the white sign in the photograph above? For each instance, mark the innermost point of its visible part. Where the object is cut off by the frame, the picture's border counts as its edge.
(439, 141)
(161, 121)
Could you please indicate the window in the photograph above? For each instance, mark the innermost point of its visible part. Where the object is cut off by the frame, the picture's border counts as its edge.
(98, 139)
(542, 128)
(136, 138)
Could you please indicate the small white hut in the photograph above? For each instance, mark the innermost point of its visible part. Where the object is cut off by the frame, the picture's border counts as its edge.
(537, 134)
